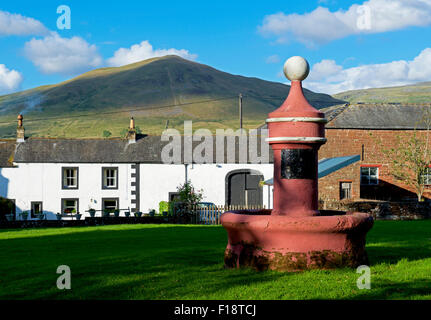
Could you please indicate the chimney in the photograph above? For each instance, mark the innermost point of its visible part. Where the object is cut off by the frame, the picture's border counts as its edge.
(131, 134)
(20, 137)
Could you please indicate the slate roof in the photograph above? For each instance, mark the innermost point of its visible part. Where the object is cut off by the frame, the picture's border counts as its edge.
(7, 150)
(377, 116)
(147, 149)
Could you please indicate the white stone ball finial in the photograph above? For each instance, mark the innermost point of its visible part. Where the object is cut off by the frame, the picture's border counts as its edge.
(296, 68)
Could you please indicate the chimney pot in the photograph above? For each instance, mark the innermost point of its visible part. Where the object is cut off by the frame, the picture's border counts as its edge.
(131, 134)
(20, 132)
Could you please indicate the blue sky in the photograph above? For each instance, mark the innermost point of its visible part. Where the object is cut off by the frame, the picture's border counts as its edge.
(349, 44)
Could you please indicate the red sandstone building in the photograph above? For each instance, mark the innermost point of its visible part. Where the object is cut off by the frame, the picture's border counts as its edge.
(367, 130)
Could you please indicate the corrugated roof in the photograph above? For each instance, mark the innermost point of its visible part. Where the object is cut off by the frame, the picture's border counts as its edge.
(329, 165)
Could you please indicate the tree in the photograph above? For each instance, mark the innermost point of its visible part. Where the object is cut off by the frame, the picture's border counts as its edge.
(411, 158)
(188, 197)
(106, 134)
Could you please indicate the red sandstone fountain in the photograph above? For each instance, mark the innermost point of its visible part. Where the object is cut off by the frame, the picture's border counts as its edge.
(295, 235)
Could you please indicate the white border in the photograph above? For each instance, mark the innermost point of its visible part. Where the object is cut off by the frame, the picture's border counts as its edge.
(302, 139)
(297, 119)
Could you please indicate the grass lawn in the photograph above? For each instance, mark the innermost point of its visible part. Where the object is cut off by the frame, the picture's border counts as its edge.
(186, 262)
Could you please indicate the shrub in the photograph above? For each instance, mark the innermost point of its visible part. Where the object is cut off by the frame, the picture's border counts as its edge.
(163, 206)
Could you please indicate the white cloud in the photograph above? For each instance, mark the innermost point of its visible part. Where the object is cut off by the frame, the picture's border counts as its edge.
(16, 24)
(322, 25)
(10, 80)
(142, 51)
(273, 59)
(328, 77)
(55, 54)
(324, 69)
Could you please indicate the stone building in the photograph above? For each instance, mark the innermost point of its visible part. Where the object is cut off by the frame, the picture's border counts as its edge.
(367, 130)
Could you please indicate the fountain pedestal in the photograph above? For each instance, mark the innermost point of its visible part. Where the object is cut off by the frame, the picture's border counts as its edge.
(294, 235)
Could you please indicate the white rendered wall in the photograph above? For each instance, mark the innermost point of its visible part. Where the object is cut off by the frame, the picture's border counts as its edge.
(42, 182)
(157, 180)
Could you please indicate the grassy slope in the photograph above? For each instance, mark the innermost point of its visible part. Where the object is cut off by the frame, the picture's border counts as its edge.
(418, 93)
(144, 85)
(185, 262)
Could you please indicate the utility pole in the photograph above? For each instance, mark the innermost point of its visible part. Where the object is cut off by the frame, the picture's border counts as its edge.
(240, 110)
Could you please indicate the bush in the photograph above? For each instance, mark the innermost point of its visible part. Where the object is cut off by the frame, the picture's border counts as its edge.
(163, 206)
(6, 207)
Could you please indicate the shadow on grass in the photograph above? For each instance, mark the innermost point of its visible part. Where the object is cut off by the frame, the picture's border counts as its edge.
(396, 290)
(172, 262)
(147, 263)
(392, 241)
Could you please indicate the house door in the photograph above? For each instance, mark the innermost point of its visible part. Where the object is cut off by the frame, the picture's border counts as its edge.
(243, 188)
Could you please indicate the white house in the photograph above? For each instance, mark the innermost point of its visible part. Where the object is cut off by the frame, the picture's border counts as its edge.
(61, 175)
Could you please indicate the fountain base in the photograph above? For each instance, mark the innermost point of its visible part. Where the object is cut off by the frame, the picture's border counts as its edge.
(263, 241)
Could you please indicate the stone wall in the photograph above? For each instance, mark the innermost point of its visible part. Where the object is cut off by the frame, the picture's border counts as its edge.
(383, 210)
(368, 144)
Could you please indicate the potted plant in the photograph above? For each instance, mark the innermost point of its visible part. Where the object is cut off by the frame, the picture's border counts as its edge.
(152, 212)
(138, 214)
(24, 215)
(116, 213)
(78, 216)
(127, 214)
(59, 215)
(92, 212)
(106, 213)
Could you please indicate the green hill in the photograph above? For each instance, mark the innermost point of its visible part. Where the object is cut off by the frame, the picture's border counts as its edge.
(153, 91)
(417, 93)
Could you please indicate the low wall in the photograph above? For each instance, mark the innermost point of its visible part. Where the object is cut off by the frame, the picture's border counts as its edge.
(383, 210)
(97, 221)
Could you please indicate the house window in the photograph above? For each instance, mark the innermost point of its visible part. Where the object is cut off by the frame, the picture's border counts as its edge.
(110, 204)
(69, 205)
(369, 175)
(110, 178)
(36, 208)
(70, 178)
(426, 176)
(345, 190)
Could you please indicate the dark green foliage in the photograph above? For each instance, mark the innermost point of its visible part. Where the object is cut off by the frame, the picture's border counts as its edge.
(106, 134)
(6, 207)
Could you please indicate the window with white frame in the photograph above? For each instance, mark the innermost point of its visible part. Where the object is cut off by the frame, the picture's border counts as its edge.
(426, 176)
(110, 204)
(345, 190)
(110, 178)
(369, 175)
(70, 178)
(69, 205)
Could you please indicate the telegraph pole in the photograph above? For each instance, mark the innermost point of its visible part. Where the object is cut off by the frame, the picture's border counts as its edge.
(240, 110)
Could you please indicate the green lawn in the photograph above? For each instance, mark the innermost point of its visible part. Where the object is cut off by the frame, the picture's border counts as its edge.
(186, 262)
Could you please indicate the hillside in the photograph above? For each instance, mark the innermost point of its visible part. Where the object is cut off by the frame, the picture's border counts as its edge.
(153, 91)
(417, 93)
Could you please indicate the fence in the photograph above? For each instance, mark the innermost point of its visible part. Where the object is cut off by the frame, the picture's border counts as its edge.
(210, 215)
